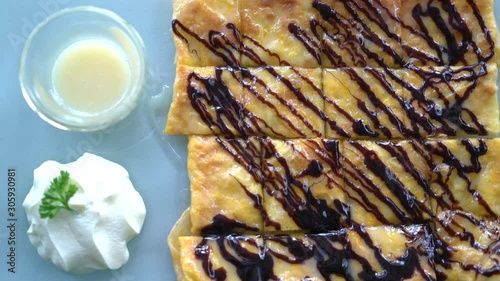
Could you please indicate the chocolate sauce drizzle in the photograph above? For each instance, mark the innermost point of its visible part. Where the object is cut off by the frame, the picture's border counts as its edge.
(336, 39)
(250, 265)
(296, 195)
(254, 258)
(454, 226)
(267, 165)
(426, 116)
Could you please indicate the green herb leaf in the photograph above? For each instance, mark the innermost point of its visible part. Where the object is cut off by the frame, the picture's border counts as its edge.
(57, 196)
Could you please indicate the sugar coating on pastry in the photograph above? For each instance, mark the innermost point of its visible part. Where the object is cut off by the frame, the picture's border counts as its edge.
(285, 102)
(312, 257)
(394, 253)
(207, 101)
(360, 33)
(201, 44)
(386, 182)
(452, 101)
(224, 258)
(303, 186)
(466, 176)
(226, 195)
(466, 246)
(363, 103)
(452, 32)
(278, 33)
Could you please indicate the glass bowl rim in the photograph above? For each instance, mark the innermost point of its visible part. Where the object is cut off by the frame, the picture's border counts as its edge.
(132, 33)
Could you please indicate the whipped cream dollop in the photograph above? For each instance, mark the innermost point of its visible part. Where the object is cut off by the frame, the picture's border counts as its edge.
(109, 212)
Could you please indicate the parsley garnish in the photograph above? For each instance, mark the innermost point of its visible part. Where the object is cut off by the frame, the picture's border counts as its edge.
(57, 196)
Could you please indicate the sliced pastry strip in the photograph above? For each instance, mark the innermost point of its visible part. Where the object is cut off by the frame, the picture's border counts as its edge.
(285, 102)
(207, 101)
(303, 185)
(467, 248)
(449, 32)
(226, 195)
(279, 33)
(281, 102)
(364, 103)
(312, 257)
(359, 33)
(466, 176)
(201, 44)
(394, 253)
(224, 258)
(452, 101)
(386, 182)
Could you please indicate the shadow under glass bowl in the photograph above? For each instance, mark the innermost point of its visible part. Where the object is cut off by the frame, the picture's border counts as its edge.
(55, 34)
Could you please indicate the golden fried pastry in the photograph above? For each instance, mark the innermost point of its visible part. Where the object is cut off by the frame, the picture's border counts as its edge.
(452, 101)
(363, 103)
(386, 182)
(452, 32)
(466, 176)
(226, 195)
(390, 253)
(360, 33)
(303, 186)
(207, 100)
(205, 32)
(284, 102)
(313, 257)
(224, 258)
(278, 33)
(467, 248)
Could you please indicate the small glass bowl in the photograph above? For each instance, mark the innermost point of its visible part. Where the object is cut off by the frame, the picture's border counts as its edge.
(51, 37)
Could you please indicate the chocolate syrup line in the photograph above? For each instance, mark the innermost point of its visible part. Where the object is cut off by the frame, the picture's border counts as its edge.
(380, 170)
(462, 170)
(398, 269)
(455, 51)
(306, 40)
(250, 88)
(357, 175)
(247, 75)
(485, 30)
(211, 44)
(292, 194)
(377, 103)
(386, 47)
(444, 254)
(334, 19)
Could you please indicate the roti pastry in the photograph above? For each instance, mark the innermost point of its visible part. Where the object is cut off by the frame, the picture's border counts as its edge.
(387, 182)
(201, 44)
(390, 253)
(359, 253)
(338, 140)
(359, 33)
(226, 195)
(279, 33)
(466, 177)
(450, 32)
(349, 103)
(466, 246)
(302, 185)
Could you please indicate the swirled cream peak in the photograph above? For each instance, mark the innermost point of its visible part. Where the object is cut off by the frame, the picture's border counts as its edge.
(109, 212)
